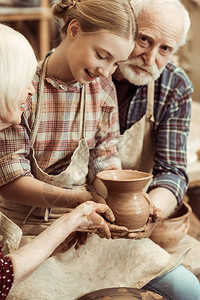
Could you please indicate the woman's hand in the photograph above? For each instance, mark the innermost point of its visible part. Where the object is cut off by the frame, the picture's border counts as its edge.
(85, 218)
(89, 218)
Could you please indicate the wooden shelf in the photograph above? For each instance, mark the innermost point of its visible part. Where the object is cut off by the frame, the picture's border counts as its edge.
(24, 13)
(42, 14)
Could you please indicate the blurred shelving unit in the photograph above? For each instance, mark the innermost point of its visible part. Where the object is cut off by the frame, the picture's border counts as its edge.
(189, 54)
(20, 19)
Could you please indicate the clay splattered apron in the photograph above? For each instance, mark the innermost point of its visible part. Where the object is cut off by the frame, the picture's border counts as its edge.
(99, 264)
(37, 219)
(136, 146)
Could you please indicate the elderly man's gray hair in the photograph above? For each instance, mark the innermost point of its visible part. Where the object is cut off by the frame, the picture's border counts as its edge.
(149, 6)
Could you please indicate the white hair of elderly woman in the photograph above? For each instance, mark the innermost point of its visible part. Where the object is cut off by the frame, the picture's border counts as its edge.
(17, 67)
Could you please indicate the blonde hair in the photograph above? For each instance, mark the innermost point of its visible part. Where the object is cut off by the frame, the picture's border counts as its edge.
(17, 68)
(116, 16)
(149, 6)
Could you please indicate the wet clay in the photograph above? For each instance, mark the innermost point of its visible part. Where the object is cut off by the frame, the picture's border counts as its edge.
(126, 197)
(170, 231)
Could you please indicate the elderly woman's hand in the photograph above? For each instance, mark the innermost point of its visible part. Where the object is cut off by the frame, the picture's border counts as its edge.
(86, 217)
(91, 218)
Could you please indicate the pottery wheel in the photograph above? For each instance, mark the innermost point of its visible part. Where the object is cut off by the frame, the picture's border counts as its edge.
(121, 294)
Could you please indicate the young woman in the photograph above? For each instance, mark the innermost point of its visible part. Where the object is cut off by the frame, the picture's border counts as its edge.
(69, 127)
(16, 84)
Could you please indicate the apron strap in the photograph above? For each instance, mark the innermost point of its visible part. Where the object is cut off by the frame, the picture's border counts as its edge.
(39, 104)
(36, 126)
(37, 123)
(28, 214)
(82, 113)
(150, 100)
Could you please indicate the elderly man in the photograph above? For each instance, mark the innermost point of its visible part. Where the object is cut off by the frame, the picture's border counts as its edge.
(162, 28)
(154, 98)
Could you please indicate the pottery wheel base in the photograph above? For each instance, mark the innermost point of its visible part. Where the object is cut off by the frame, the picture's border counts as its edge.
(121, 294)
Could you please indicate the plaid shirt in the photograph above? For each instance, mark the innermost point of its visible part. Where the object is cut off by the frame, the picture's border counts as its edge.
(58, 134)
(172, 110)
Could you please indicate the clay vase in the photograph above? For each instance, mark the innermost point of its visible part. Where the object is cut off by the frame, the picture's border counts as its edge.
(169, 232)
(126, 197)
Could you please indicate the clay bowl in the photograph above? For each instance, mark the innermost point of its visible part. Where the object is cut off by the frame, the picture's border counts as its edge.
(170, 231)
(121, 294)
(126, 197)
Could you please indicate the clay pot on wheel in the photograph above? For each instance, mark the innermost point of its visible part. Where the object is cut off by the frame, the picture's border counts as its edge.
(126, 197)
(169, 232)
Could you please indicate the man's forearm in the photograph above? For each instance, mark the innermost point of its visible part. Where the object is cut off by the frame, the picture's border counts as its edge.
(164, 199)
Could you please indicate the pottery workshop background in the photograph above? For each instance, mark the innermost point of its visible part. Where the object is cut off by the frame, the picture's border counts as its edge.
(189, 54)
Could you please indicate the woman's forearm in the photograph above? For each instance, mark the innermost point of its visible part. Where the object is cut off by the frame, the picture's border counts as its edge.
(33, 192)
(27, 258)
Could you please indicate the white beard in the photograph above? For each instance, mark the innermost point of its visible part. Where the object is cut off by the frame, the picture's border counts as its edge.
(141, 78)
